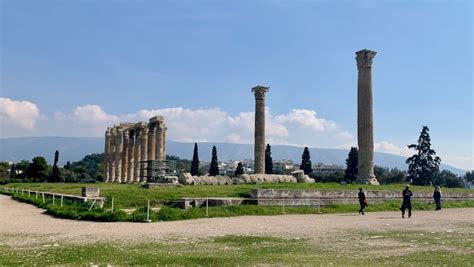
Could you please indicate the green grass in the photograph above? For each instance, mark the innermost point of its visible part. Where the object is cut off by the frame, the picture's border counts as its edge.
(133, 195)
(80, 211)
(255, 250)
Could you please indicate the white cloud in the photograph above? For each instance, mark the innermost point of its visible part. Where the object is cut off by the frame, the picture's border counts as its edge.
(18, 114)
(306, 118)
(92, 114)
(387, 147)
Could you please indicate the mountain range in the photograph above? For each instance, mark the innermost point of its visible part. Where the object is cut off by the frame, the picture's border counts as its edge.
(75, 148)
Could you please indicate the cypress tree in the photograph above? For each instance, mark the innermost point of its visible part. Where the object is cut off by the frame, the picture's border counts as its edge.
(424, 165)
(351, 165)
(55, 175)
(306, 164)
(268, 160)
(239, 170)
(195, 162)
(214, 169)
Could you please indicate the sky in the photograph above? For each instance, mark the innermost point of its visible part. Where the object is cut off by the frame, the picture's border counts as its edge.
(72, 68)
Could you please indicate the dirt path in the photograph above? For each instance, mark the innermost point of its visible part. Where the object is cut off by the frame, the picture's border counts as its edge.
(23, 224)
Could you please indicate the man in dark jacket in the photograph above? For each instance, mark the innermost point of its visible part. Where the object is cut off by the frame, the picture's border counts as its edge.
(437, 197)
(362, 201)
(406, 204)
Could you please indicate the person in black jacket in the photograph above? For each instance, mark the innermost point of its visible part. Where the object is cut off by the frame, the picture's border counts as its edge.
(362, 201)
(437, 197)
(406, 204)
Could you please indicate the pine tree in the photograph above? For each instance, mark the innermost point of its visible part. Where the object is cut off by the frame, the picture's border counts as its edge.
(424, 165)
(239, 170)
(268, 160)
(351, 165)
(195, 162)
(214, 169)
(306, 164)
(55, 175)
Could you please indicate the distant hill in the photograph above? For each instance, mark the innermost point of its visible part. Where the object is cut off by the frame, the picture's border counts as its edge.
(75, 148)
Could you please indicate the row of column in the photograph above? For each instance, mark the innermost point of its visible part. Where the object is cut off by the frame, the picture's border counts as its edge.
(129, 148)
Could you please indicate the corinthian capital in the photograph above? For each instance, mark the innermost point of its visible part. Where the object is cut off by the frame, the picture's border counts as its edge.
(259, 91)
(364, 58)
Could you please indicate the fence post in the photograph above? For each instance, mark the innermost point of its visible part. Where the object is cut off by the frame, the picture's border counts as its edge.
(43, 198)
(112, 204)
(283, 206)
(29, 192)
(62, 198)
(22, 191)
(36, 194)
(53, 199)
(319, 204)
(148, 212)
(207, 206)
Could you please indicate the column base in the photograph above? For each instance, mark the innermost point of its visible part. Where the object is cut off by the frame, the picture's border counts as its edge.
(368, 180)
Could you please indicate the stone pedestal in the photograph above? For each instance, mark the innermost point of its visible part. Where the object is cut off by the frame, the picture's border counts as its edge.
(259, 149)
(365, 130)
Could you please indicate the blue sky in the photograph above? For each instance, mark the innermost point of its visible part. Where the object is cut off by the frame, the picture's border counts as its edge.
(75, 67)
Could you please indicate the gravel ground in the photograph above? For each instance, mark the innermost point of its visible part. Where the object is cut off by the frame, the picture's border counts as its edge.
(24, 224)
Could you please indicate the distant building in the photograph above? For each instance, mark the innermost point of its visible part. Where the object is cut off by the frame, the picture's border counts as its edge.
(327, 168)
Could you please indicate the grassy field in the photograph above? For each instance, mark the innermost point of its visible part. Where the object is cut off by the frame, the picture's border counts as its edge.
(343, 249)
(82, 211)
(133, 195)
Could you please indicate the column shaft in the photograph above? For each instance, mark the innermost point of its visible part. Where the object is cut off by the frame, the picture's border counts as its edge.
(365, 130)
(125, 157)
(137, 147)
(106, 155)
(131, 156)
(259, 148)
(111, 169)
(118, 155)
(144, 154)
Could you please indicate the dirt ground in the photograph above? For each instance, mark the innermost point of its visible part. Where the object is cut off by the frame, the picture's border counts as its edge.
(23, 224)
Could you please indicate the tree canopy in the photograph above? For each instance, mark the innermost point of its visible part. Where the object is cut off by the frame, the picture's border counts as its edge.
(424, 165)
(268, 160)
(351, 165)
(306, 164)
(195, 162)
(214, 169)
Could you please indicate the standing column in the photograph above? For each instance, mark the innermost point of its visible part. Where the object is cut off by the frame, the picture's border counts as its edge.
(164, 140)
(111, 169)
(106, 155)
(365, 130)
(151, 150)
(136, 165)
(131, 156)
(118, 155)
(259, 149)
(159, 141)
(125, 157)
(144, 153)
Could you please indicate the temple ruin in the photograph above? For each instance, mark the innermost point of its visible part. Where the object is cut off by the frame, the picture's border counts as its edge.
(135, 152)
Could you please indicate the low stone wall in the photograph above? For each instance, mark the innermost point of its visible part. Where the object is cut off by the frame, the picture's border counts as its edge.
(313, 197)
(186, 203)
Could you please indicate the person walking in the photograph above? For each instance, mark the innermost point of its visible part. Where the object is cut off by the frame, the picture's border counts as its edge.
(437, 197)
(406, 204)
(362, 201)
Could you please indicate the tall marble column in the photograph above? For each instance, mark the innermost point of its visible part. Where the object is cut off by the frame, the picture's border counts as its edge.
(259, 149)
(125, 157)
(118, 155)
(151, 149)
(144, 153)
(107, 155)
(365, 130)
(111, 169)
(136, 165)
(131, 155)
(159, 141)
(164, 140)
